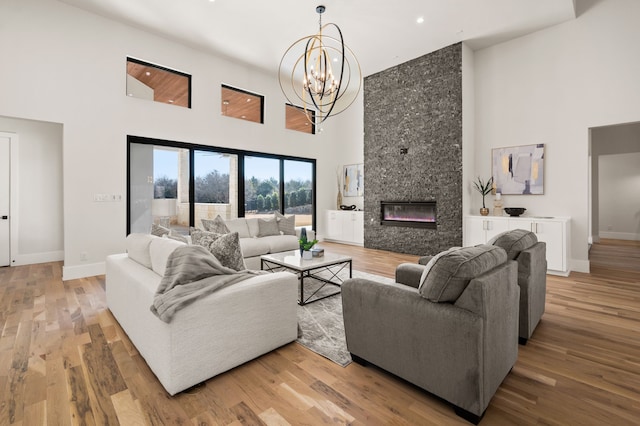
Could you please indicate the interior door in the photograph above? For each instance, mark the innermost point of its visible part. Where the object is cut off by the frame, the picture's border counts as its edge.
(5, 163)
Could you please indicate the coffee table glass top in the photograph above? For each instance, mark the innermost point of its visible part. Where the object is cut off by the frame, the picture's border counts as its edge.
(293, 260)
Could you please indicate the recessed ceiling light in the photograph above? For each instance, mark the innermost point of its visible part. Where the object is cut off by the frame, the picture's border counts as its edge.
(148, 73)
(170, 101)
(244, 116)
(248, 99)
(420, 20)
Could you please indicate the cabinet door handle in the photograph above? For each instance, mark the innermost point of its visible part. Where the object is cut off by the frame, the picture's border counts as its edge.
(5, 217)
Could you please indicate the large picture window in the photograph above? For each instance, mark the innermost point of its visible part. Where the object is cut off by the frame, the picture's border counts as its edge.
(175, 185)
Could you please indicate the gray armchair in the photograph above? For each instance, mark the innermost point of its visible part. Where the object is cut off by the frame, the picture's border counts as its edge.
(452, 331)
(524, 247)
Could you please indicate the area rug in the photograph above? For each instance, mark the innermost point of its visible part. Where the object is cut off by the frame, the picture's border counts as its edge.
(320, 326)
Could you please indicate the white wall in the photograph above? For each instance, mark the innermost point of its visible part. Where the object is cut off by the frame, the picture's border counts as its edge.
(347, 136)
(619, 196)
(64, 65)
(37, 210)
(552, 86)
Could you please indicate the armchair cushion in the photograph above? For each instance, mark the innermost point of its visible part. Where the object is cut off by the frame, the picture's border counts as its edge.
(447, 275)
(514, 241)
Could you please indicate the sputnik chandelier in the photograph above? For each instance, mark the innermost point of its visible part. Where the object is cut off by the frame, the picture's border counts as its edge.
(321, 73)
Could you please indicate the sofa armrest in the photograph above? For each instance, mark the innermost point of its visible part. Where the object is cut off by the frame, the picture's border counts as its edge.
(409, 274)
(532, 279)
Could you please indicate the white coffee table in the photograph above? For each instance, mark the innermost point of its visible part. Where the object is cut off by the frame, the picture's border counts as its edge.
(331, 264)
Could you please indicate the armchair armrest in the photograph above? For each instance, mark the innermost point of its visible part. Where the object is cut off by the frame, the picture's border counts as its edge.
(409, 274)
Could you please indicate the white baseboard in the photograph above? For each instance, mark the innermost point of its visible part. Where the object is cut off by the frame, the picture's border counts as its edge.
(620, 236)
(82, 271)
(30, 259)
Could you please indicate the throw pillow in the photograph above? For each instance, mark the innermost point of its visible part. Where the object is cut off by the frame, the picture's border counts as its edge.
(513, 242)
(216, 225)
(267, 227)
(450, 273)
(159, 231)
(432, 261)
(225, 247)
(175, 235)
(286, 224)
(238, 225)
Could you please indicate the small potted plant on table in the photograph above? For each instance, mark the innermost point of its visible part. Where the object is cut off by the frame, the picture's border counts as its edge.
(306, 245)
(484, 188)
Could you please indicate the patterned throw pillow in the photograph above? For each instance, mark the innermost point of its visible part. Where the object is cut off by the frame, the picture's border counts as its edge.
(174, 235)
(225, 247)
(159, 231)
(216, 225)
(268, 227)
(286, 224)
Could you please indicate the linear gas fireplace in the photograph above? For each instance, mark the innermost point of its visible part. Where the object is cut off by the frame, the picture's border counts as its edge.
(416, 214)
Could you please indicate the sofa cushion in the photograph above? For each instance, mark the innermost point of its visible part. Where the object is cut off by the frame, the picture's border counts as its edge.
(216, 225)
(286, 224)
(138, 248)
(447, 275)
(254, 246)
(279, 243)
(238, 225)
(514, 241)
(158, 230)
(268, 227)
(159, 250)
(225, 247)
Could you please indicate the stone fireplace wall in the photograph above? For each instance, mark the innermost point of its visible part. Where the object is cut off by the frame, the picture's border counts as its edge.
(413, 149)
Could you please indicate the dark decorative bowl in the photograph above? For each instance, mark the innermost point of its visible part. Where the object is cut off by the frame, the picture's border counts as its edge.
(514, 211)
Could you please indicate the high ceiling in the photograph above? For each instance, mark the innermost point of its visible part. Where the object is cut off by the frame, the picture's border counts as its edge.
(382, 33)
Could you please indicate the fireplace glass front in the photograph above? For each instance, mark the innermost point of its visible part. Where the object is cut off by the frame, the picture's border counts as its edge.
(417, 214)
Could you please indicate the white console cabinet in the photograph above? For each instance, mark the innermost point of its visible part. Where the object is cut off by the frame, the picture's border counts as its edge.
(480, 229)
(345, 226)
(554, 231)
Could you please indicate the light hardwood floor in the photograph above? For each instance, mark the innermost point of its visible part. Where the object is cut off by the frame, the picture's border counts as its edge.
(64, 360)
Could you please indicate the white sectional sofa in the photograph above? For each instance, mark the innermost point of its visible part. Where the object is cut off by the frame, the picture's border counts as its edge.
(253, 245)
(214, 334)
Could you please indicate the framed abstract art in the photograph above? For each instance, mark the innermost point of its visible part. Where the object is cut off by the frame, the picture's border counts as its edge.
(353, 180)
(518, 169)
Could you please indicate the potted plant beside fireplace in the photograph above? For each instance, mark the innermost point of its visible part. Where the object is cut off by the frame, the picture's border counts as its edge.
(484, 188)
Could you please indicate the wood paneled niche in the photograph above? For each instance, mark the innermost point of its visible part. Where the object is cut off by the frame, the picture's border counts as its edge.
(242, 104)
(157, 83)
